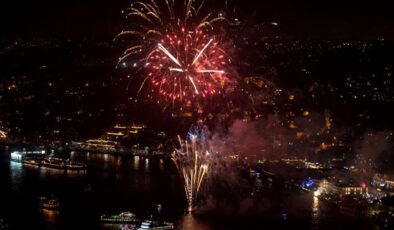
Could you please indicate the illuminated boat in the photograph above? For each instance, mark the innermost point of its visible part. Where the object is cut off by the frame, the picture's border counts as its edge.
(124, 217)
(72, 165)
(22, 156)
(53, 162)
(155, 225)
(31, 162)
(58, 163)
(49, 203)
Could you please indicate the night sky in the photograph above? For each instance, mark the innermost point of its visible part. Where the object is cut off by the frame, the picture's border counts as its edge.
(101, 19)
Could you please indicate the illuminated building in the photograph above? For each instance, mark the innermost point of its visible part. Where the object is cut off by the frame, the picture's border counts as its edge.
(351, 190)
(383, 181)
(96, 144)
(111, 140)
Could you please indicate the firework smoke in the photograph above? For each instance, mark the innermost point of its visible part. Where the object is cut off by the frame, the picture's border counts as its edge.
(375, 151)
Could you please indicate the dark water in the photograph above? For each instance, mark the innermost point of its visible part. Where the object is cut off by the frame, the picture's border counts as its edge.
(130, 184)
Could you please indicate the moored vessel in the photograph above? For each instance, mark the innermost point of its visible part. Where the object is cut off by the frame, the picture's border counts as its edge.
(123, 217)
(49, 203)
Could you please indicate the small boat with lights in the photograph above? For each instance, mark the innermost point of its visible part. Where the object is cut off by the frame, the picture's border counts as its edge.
(52, 162)
(49, 203)
(31, 162)
(124, 217)
(155, 225)
(59, 163)
(73, 165)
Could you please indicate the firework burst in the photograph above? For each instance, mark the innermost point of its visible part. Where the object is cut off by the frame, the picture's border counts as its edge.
(196, 68)
(176, 49)
(191, 160)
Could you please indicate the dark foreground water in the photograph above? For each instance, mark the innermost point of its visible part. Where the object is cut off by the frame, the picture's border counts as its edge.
(135, 184)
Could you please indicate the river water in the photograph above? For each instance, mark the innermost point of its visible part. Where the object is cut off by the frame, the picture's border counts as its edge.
(113, 184)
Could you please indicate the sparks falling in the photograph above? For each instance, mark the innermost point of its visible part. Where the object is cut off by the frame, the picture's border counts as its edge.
(176, 50)
(192, 164)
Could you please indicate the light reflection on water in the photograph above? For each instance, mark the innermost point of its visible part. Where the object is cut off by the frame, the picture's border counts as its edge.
(16, 174)
(50, 216)
(189, 221)
(146, 165)
(315, 211)
(117, 184)
(136, 162)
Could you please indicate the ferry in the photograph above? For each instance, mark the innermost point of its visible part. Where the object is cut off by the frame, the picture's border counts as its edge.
(73, 165)
(53, 162)
(128, 227)
(124, 217)
(39, 158)
(49, 203)
(99, 146)
(155, 225)
(59, 163)
(33, 162)
(22, 156)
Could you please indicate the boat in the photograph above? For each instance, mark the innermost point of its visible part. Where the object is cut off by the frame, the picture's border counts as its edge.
(124, 217)
(31, 162)
(73, 165)
(155, 225)
(59, 163)
(27, 156)
(52, 162)
(49, 203)
(128, 226)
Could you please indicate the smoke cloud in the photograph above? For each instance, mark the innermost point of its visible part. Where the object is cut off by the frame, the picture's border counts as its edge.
(272, 137)
(375, 152)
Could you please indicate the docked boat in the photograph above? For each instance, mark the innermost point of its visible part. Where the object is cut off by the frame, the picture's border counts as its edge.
(59, 163)
(155, 225)
(124, 217)
(73, 165)
(49, 203)
(52, 162)
(31, 162)
(128, 227)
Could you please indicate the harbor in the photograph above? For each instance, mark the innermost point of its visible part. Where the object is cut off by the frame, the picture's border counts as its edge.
(41, 159)
(114, 184)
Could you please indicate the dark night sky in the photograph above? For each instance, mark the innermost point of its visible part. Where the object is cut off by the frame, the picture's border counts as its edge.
(100, 19)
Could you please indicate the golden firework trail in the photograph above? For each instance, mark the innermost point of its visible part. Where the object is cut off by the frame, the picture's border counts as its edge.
(191, 162)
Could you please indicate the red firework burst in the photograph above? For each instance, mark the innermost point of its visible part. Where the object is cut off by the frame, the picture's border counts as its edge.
(187, 65)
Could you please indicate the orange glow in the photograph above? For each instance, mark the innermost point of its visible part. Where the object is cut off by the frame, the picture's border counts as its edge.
(292, 125)
(300, 134)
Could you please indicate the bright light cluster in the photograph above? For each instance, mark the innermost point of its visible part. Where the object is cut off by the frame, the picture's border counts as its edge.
(187, 65)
